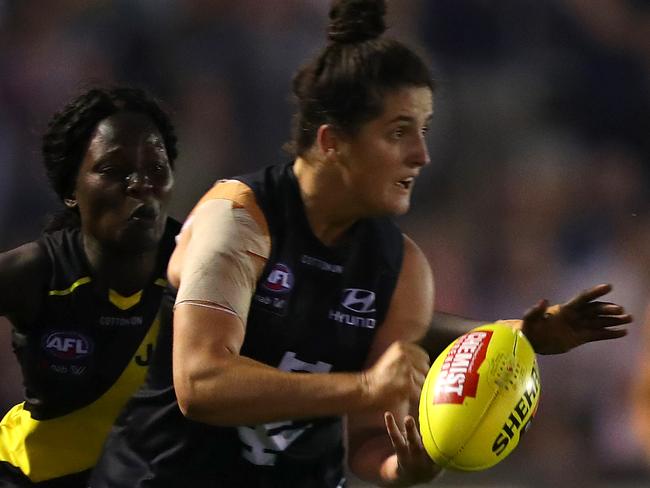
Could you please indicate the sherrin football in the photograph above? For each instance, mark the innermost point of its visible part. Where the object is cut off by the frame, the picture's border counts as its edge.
(478, 398)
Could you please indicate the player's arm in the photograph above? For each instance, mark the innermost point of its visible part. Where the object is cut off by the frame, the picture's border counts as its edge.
(214, 383)
(550, 329)
(22, 282)
(443, 329)
(641, 390)
(385, 446)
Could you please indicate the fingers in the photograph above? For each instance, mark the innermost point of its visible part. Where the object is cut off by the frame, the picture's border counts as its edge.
(397, 439)
(589, 295)
(601, 308)
(599, 314)
(417, 380)
(603, 314)
(605, 335)
(418, 357)
(414, 464)
(414, 354)
(412, 434)
(611, 310)
(398, 374)
(407, 442)
(606, 308)
(419, 370)
(605, 322)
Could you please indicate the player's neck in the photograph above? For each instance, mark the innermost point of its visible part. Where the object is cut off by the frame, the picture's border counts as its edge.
(328, 215)
(125, 272)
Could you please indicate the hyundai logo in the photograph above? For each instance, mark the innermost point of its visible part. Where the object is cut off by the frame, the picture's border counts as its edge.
(358, 300)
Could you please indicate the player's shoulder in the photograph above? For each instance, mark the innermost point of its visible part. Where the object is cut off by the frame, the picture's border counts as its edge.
(414, 257)
(29, 258)
(415, 287)
(240, 196)
(412, 301)
(230, 189)
(23, 275)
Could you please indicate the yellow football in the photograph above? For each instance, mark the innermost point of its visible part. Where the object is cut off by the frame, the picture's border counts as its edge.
(479, 397)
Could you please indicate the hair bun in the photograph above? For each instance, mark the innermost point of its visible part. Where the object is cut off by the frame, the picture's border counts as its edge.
(356, 20)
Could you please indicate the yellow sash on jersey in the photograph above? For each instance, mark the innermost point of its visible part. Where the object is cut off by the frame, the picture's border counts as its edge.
(46, 449)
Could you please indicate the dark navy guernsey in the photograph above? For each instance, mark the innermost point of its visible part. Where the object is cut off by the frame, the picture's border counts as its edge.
(315, 309)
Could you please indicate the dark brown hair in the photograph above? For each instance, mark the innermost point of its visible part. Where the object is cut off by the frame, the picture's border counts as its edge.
(346, 83)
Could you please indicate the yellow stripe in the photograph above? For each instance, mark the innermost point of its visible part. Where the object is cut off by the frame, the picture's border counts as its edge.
(160, 282)
(122, 302)
(71, 288)
(49, 449)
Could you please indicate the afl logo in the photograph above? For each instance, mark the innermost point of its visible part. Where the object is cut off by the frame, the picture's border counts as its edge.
(358, 300)
(67, 345)
(280, 279)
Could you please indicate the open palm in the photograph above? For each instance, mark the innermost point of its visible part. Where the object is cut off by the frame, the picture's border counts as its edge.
(559, 328)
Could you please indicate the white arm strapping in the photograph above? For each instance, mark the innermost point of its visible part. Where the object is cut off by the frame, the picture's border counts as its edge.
(221, 264)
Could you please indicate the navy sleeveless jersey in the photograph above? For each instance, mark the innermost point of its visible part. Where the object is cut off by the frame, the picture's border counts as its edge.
(315, 309)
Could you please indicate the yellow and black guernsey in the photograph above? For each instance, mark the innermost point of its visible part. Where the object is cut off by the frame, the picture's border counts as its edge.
(81, 360)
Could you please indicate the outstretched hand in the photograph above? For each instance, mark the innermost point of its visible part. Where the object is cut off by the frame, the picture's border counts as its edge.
(413, 463)
(557, 329)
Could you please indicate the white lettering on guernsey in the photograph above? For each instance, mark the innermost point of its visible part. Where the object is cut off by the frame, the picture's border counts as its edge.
(263, 443)
(72, 369)
(120, 321)
(354, 320)
(359, 301)
(67, 345)
(320, 264)
(276, 303)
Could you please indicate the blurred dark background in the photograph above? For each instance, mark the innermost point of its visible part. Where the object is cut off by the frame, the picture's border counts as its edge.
(539, 185)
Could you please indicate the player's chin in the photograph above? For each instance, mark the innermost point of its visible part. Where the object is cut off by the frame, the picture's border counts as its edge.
(399, 206)
(140, 238)
(388, 205)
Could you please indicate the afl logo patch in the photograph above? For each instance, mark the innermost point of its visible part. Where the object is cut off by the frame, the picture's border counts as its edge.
(280, 279)
(67, 345)
(358, 300)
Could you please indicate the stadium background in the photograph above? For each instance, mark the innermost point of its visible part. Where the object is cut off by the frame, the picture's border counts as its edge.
(539, 184)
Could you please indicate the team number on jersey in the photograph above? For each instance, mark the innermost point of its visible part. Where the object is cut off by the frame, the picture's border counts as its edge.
(263, 443)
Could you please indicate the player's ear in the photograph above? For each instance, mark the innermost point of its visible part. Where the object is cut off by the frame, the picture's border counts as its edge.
(327, 142)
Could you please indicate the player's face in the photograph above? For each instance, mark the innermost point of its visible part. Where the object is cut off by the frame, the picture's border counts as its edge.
(383, 160)
(124, 183)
